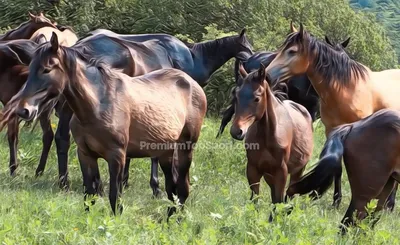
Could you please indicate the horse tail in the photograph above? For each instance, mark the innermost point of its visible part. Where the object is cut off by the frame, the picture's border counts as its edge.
(330, 165)
(227, 114)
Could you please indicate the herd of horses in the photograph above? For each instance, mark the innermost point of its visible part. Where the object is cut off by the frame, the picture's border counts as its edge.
(115, 91)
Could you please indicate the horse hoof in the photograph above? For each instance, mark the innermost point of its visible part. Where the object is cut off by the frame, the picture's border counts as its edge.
(156, 193)
(38, 173)
(336, 204)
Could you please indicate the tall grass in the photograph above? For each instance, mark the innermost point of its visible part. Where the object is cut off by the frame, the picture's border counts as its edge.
(218, 211)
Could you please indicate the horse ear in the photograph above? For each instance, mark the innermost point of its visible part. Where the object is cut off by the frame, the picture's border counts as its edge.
(31, 16)
(346, 43)
(242, 33)
(54, 42)
(41, 14)
(301, 32)
(261, 72)
(292, 28)
(328, 41)
(242, 72)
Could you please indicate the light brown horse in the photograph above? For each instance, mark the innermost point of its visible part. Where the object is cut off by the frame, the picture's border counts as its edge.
(67, 36)
(26, 29)
(117, 116)
(348, 90)
(369, 150)
(282, 130)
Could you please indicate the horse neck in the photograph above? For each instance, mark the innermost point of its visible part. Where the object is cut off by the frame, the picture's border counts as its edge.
(83, 91)
(268, 122)
(211, 55)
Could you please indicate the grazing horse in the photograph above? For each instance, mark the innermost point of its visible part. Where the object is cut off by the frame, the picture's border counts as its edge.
(199, 60)
(282, 130)
(26, 29)
(114, 114)
(368, 148)
(349, 91)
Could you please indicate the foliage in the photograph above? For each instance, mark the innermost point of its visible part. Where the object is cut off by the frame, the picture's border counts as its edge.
(267, 23)
(387, 13)
(218, 211)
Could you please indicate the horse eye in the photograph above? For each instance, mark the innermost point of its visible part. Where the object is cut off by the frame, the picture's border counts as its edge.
(46, 70)
(257, 100)
(292, 52)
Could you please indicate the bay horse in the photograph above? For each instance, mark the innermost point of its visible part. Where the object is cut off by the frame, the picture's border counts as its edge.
(368, 148)
(198, 60)
(26, 29)
(115, 113)
(300, 89)
(349, 91)
(282, 130)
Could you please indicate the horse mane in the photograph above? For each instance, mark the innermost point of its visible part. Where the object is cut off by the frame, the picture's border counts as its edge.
(332, 65)
(63, 28)
(280, 91)
(20, 50)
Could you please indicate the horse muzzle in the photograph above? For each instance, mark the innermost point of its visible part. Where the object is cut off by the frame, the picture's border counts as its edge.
(27, 113)
(237, 133)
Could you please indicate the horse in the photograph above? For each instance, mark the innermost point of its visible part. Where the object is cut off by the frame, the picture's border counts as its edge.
(349, 91)
(67, 36)
(282, 130)
(114, 114)
(15, 56)
(26, 29)
(198, 60)
(373, 166)
(300, 89)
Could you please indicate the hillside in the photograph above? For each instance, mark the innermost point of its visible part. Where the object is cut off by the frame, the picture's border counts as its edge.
(387, 13)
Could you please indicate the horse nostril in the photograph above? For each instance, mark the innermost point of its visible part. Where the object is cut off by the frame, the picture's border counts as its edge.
(23, 113)
(240, 132)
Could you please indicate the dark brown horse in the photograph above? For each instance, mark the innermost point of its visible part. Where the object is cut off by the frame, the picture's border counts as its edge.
(117, 116)
(152, 52)
(281, 129)
(26, 29)
(14, 59)
(369, 150)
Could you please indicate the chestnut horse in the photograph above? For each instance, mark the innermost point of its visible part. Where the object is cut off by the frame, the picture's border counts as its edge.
(349, 91)
(368, 148)
(282, 130)
(114, 114)
(26, 29)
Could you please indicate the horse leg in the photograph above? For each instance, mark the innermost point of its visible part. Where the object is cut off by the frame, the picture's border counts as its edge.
(12, 135)
(63, 144)
(116, 161)
(182, 184)
(383, 198)
(170, 186)
(154, 183)
(88, 164)
(337, 193)
(254, 177)
(126, 172)
(392, 199)
(47, 139)
(278, 187)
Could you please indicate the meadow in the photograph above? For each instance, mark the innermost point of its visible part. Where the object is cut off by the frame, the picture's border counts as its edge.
(218, 211)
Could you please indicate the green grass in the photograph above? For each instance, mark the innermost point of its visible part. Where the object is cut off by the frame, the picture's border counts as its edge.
(218, 211)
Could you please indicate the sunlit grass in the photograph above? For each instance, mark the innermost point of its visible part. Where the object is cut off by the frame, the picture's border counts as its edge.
(218, 211)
